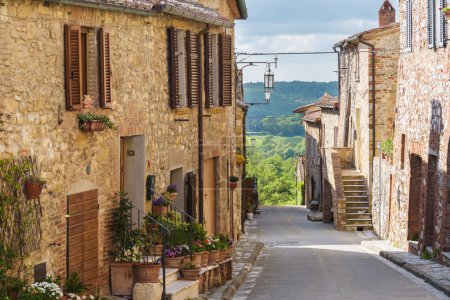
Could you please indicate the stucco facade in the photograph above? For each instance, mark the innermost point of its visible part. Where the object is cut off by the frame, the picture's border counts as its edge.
(36, 122)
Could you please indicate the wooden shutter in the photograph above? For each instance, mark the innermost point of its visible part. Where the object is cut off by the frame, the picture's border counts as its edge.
(442, 24)
(225, 70)
(73, 67)
(191, 194)
(431, 15)
(105, 63)
(208, 71)
(192, 68)
(174, 87)
(408, 25)
(82, 250)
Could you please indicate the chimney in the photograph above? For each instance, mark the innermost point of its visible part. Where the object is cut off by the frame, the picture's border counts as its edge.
(386, 15)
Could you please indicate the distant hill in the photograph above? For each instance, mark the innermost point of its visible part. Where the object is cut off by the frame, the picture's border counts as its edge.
(277, 117)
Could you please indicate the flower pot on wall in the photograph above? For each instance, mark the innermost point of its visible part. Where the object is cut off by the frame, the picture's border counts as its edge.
(190, 274)
(233, 185)
(213, 257)
(173, 262)
(33, 190)
(205, 258)
(92, 126)
(173, 196)
(122, 279)
(146, 272)
(159, 210)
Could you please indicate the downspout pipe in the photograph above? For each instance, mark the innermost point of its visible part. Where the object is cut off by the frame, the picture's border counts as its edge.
(200, 125)
(339, 73)
(105, 6)
(372, 49)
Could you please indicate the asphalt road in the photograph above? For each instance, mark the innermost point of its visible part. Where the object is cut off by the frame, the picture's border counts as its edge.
(314, 261)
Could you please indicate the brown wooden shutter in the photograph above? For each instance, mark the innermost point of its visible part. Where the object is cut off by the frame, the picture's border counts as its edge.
(208, 71)
(105, 63)
(192, 68)
(191, 194)
(73, 74)
(174, 87)
(225, 70)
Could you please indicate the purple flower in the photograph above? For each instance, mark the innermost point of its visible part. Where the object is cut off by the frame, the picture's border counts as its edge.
(160, 201)
(174, 252)
(172, 188)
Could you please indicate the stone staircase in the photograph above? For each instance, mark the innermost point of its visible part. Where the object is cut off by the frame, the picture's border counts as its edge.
(358, 216)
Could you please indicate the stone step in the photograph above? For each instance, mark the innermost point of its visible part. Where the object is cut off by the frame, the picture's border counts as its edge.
(359, 226)
(355, 193)
(355, 203)
(358, 215)
(352, 177)
(357, 209)
(353, 182)
(172, 275)
(182, 290)
(359, 221)
(355, 186)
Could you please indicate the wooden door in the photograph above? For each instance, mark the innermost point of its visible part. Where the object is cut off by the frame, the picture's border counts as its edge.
(82, 227)
(209, 196)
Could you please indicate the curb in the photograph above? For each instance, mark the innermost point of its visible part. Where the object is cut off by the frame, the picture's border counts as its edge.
(240, 278)
(413, 269)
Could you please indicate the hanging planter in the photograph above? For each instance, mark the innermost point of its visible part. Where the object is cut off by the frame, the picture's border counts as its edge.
(33, 187)
(233, 182)
(90, 122)
(172, 191)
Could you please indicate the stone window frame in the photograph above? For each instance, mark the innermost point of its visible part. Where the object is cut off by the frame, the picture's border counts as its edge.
(436, 24)
(408, 25)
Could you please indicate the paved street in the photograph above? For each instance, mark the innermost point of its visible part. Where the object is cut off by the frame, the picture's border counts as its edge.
(306, 260)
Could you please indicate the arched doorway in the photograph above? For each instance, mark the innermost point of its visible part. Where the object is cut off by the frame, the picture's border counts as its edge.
(415, 181)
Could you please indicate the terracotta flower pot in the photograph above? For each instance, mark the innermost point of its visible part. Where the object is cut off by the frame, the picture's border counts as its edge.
(190, 274)
(13, 295)
(122, 279)
(63, 298)
(173, 196)
(173, 262)
(33, 190)
(146, 272)
(186, 259)
(205, 258)
(156, 250)
(222, 254)
(159, 210)
(92, 126)
(197, 259)
(229, 252)
(233, 185)
(213, 257)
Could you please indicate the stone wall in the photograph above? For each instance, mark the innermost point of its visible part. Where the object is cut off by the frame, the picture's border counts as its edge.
(329, 120)
(381, 196)
(312, 165)
(32, 93)
(422, 84)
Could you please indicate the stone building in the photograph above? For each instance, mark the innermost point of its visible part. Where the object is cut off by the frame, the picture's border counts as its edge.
(417, 187)
(368, 64)
(320, 122)
(161, 71)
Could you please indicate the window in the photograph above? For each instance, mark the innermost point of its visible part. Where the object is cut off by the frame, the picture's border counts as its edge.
(183, 68)
(356, 64)
(87, 66)
(436, 24)
(402, 158)
(218, 70)
(408, 25)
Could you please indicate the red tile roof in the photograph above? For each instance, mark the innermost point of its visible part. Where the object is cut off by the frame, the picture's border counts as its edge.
(326, 101)
(313, 117)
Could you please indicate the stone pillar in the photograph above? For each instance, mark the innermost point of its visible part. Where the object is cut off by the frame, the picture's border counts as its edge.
(145, 291)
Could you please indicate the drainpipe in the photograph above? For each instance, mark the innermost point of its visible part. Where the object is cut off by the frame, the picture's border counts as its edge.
(372, 49)
(244, 150)
(339, 73)
(200, 126)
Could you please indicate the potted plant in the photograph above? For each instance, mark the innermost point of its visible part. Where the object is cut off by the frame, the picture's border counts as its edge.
(221, 246)
(174, 256)
(172, 190)
(13, 286)
(200, 257)
(145, 270)
(42, 291)
(33, 187)
(387, 148)
(159, 206)
(190, 271)
(240, 159)
(74, 286)
(233, 181)
(213, 251)
(124, 250)
(229, 244)
(249, 211)
(89, 122)
(153, 241)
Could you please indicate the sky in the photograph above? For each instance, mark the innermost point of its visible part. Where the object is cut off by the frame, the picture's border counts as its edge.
(298, 26)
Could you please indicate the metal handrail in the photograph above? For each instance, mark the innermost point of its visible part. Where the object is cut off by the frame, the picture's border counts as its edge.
(165, 233)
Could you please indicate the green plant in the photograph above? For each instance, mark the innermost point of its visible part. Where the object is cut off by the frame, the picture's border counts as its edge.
(74, 285)
(426, 255)
(87, 117)
(249, 207)
(387, 147)
(445, 9)
(436, 253)
(36, 179)
(234, 179)
(189, 266)
(42, 291)
(125, 239)
(7, 258)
